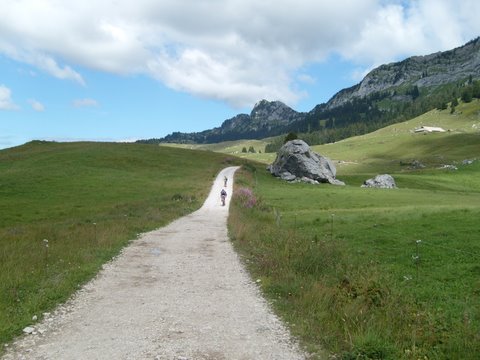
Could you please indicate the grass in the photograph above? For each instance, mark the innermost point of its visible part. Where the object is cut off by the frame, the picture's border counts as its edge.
(340, 268)
(234, 148)
(374, 273)
(341, 264)
(386, 147)
(389, 147)
(86, 201)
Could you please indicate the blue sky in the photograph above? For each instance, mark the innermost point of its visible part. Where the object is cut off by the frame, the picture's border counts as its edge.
(117, 70)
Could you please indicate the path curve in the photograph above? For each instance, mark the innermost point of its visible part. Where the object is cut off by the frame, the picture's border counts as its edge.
(176, 293)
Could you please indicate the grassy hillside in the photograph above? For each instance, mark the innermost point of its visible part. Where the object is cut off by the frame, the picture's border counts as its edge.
(374, 273)
(234, 148)
(337, 261)
(398, 144)
(387, 147)
(69, 207)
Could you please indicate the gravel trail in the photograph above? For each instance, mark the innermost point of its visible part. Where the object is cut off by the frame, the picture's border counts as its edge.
(176, 293)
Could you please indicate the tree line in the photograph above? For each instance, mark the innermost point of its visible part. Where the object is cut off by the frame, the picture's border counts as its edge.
(363, 115)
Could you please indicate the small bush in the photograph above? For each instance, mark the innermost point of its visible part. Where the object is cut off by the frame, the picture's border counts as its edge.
(249, 167)
(369, 347)
(228, 160)
(182, 197)
(290, 136)
(177, 197)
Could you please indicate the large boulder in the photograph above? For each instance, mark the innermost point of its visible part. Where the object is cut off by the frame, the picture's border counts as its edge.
(383, 181)
(295, 161)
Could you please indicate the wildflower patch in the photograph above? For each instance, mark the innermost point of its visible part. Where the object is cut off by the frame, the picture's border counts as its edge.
(246, 197)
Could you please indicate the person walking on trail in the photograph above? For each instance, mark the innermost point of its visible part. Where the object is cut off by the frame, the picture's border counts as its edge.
(223, 195)
(225, 179)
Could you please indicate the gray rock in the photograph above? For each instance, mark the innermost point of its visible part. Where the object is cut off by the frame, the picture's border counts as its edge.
(295, 160)
(287, 176)
(448, 167)
(309, 181)
(415, 164)
(336, 182)
(383, 181)
(29, 330)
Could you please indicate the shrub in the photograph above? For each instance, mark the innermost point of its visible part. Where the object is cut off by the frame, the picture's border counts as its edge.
(290, 136)
(467, 95)
(369, 347)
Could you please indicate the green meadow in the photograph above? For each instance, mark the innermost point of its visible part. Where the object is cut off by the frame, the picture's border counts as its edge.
(234, 148)
(394, 147)
(386, 148)
(356, 273)
(374, 273)
(67, 208)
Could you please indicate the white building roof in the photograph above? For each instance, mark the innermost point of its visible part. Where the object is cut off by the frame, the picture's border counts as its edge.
(429, 129)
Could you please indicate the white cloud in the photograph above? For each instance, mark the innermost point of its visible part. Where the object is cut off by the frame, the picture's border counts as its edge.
(36, 105)
(49, 65)
(6, 102)
(43, 62)
(396, 31)
(306, 79)
(79, 103)
(237, 51)
(201, 74)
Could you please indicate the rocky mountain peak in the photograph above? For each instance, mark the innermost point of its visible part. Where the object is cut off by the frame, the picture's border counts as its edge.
(273, 111)
(385, 95)
(421, 71)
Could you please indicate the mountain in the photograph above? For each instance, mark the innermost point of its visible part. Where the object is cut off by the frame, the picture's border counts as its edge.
(425, 72)
(388, 94)
(268, 118)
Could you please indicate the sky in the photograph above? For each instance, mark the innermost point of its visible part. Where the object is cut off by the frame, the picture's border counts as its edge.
(121, 70)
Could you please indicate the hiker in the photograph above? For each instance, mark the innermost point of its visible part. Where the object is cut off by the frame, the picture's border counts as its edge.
(223, 195)
(225, 181)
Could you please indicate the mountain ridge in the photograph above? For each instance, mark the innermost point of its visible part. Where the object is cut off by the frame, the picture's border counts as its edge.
(267, 118)
(422, 71)
(386, 94)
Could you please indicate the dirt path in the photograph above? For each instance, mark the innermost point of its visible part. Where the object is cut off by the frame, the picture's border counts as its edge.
(179, 292)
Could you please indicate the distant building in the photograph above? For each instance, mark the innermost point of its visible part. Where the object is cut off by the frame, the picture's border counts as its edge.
(429, 129)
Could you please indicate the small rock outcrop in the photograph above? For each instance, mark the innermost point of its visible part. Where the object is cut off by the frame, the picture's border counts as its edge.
(296, 162)
(383, 181)
(415, 165)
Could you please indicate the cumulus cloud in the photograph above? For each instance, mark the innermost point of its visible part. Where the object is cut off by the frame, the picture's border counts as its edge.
(306, 79)
(401, 29)
(49, 65)
(36, 105)
(43, 62)
(81, 103)
(6, 102)
(237, 51)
